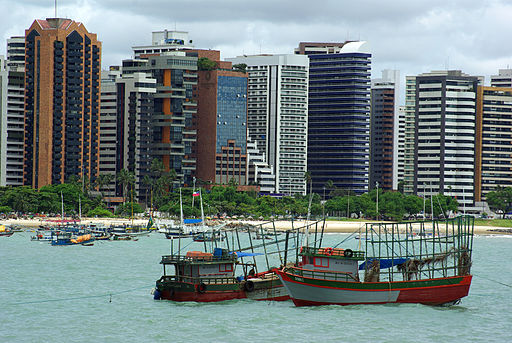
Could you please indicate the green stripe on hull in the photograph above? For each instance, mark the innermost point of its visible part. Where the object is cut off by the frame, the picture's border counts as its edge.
(397, 285)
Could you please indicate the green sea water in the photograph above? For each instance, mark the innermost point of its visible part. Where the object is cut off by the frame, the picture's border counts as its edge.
(101, 293)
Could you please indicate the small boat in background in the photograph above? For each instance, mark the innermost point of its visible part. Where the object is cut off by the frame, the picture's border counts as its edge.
(67, 238)
(6, 231)
(42, 235)
(214, 236)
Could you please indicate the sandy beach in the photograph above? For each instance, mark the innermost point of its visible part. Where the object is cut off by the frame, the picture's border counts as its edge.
(331, 226)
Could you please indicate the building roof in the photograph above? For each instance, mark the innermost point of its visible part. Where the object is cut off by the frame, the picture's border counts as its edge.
(55, 23)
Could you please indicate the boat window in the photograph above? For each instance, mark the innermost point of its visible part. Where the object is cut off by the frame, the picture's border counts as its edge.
(227, 267)
(170, 270)
(321, 262)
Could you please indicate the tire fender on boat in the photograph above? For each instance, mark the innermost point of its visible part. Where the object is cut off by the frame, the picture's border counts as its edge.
(348, 253)
(249, 286)
(201, 288)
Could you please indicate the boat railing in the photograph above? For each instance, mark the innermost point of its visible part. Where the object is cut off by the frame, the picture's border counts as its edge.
(167, 259)
(322, 274)
(199, 279)
(332, 252)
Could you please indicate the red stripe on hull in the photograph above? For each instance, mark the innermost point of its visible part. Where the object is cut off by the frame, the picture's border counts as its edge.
(436, 295)
(431, 295)
(282, 298)
(203, 297)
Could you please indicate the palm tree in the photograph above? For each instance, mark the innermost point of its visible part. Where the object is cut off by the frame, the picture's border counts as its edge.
(308, 179)
(125, 179)
(103, 180)
(148, 182)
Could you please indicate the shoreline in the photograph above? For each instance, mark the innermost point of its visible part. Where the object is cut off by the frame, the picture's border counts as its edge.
(280, 225)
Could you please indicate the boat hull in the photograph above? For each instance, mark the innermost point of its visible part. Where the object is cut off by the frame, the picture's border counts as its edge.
(266, 286)
(274, 293)
(311, 292)
(182, 291)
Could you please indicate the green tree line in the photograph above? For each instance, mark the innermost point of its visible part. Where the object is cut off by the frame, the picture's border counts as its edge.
(162, 195)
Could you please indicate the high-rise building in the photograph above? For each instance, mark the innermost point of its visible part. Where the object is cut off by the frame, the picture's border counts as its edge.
(277, 115)
(62, 102)
(163, 42)
(221, 121)
(493, 158)
(173, 121)
(503, 79)
(339, 114)
(108, 128)
(384, 131)
(3, 120)
(12, 144)
(444, 161)
(401, 147)
(409, 135)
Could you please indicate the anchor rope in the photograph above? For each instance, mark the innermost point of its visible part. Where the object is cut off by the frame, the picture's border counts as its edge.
(109, 294)
(488, 279)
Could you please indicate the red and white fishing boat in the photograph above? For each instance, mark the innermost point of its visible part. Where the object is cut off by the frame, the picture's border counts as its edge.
(395, 268)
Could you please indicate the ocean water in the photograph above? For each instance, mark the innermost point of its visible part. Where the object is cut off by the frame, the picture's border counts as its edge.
(101, 293)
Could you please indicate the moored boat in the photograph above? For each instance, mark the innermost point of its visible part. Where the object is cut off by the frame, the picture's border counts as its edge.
(206, 277)
(199, 276)
(5, 231)
(396, 268)
(265, 286)
(67, 238)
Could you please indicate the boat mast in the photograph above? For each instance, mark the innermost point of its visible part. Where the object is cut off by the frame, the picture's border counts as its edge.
(62, 206)
(181, 224)
(131, 200)
(309, 211)
(79, 209)
(202, 210)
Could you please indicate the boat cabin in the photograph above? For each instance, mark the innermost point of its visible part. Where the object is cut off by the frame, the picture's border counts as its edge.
(198, 266)
(343, 262)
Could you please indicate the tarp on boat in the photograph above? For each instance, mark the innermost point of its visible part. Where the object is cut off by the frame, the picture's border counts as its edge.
(245, 254)
(384, 262)
(192, 221)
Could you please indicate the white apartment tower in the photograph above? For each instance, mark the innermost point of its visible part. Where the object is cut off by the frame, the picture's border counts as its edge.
(503, 79)
(12, 91)
(163, 42)
(445, 127)
(409, 135)
(277, 111)
(401, 146)
(3, 120)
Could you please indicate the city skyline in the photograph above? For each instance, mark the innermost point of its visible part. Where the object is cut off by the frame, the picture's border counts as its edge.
(407, 36)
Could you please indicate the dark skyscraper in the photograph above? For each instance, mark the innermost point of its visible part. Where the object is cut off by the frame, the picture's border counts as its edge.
(339, 114)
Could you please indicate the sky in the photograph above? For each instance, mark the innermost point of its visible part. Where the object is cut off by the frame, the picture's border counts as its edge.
(413, 36)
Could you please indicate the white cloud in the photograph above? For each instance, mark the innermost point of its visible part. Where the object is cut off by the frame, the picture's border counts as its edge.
(413, 36)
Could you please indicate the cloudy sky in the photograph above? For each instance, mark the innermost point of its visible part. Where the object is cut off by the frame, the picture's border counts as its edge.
(413, 36)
